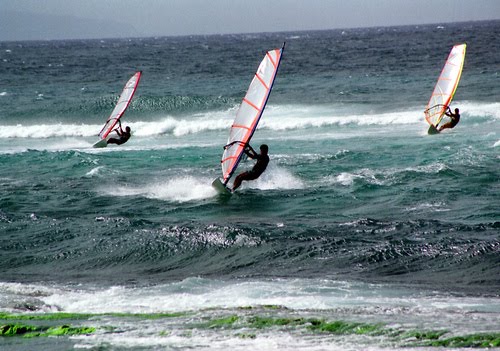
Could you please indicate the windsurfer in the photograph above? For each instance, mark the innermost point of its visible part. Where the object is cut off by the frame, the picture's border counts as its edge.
(124, 135)
(258, 168)
(455, 118)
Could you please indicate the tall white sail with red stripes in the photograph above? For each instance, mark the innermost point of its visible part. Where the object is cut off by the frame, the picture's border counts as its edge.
(446, 86)
(122, 104)
(250, 112)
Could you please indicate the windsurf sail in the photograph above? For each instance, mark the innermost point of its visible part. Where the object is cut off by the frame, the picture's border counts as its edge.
(446, 85)
(121, 105)
(250, 111)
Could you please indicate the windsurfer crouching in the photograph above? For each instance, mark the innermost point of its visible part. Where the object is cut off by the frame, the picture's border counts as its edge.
(258, 168)
(455, 118)
(124, 135)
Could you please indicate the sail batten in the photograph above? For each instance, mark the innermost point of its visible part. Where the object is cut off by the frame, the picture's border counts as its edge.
(250, 112)
(446, 85)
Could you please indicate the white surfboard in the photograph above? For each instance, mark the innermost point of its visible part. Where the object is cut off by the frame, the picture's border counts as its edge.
(221, 188)
(101, 143)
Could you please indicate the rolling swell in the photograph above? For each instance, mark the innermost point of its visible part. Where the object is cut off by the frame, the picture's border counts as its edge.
(118, 249)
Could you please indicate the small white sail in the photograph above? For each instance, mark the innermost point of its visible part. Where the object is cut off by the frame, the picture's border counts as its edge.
(446, 85)
(121, 105)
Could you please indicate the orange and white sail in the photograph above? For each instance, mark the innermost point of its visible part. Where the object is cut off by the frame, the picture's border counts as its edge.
(446, 85)
(121, 105)
(250, 112)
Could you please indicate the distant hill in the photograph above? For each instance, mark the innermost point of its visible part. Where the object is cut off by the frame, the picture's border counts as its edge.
(30, 26)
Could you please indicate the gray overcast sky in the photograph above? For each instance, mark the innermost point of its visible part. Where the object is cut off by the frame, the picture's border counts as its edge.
(184, 17)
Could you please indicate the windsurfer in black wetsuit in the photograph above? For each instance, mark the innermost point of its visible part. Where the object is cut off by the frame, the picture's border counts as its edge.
(258, 168)
(124, 135)
(455, 118)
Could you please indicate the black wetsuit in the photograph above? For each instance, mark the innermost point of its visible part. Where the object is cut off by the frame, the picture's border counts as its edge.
(259, 167)
(455, 118)
(124, 136)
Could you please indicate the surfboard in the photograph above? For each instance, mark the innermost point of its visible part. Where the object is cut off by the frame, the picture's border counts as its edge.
(101, 143)
(432, 130)
(445, 88)
(221, 188)
(120, 108)
(249, 114)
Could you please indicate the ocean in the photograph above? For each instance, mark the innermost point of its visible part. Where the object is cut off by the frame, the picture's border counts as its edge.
(364, 233)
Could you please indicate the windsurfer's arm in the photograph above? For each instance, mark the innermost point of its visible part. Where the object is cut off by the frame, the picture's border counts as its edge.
(119, 130)
(448, 111)
(250, 152)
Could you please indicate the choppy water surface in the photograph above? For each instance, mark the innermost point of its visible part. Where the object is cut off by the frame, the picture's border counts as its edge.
(361, 217)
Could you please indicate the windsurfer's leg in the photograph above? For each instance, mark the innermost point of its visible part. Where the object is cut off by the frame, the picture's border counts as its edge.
(113, 141)
(444, 126)
(239, 179)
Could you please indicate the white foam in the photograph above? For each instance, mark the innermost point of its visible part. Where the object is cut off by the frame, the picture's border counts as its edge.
(344, 178)
(277, 118)
(95, 171)
(380, 177)
(201, 294)
(434, 206)
(206, 300)
(472, 110)
(44, 131)
(178, 189)
(273, 178)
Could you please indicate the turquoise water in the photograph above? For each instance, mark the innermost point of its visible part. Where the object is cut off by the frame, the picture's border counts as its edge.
(360, 216)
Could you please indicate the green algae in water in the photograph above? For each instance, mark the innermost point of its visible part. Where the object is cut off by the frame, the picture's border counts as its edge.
(64, 330)
(342, 328)
(423, 335)
(405, 338)
(473, 340)
(223, 322)
(266, 322)
(16, 329)
(31, 331)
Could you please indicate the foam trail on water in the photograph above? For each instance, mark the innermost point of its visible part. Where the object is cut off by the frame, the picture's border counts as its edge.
(275, 178)
(178, 189)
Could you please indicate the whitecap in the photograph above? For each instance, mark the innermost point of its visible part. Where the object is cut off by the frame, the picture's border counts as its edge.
(177, 189)
(275, 178)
